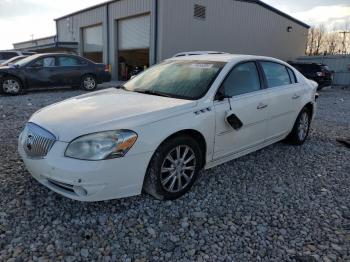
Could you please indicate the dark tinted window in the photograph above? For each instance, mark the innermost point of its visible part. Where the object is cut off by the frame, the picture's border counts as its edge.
(307, 68)
(276, 74)
(243, 79)
(292, 76)
(7, 55)
(69, 61)
(45, 62)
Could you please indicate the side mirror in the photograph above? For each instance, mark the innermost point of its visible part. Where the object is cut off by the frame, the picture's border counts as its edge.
(220, 95)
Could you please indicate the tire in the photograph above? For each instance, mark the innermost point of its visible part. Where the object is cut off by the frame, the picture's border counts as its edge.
(301, 128)
(88, 83)
(168, 176)
(11, 86)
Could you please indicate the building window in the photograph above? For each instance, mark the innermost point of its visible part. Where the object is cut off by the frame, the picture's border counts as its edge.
(200, 11)
(93, 43)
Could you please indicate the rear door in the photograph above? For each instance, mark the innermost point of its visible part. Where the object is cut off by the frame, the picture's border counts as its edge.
(248, 105)
(71, 69)
(285, 98)
(42, 72)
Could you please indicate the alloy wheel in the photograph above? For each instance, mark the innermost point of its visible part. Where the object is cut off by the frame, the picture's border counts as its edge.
(89, 83)
(178, 169)
(11, 86)
(303, 127)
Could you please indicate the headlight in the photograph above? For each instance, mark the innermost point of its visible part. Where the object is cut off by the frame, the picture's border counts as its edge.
(101, 146)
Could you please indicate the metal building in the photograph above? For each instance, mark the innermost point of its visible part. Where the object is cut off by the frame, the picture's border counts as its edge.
(139, 33)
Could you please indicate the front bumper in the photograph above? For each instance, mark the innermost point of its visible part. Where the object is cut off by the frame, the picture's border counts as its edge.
(88, 180)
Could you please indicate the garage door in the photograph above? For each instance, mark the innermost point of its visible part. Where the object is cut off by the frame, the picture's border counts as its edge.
(134, 33)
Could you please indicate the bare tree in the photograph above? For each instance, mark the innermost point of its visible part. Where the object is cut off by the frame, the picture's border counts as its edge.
(319, 39)
(311, 41)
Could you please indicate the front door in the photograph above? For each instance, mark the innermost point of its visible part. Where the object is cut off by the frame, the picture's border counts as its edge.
(248, 104)
(42, 72)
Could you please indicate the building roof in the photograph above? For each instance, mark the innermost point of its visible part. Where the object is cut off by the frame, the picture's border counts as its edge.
(36, 39)
(258, 2)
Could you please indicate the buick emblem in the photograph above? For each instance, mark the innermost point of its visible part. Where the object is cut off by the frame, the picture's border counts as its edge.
(29, 142)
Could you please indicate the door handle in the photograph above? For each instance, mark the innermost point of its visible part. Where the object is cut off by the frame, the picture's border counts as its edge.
(261, 106)
(295, 96)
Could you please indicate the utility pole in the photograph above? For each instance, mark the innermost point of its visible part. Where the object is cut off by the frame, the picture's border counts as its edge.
(344, 33)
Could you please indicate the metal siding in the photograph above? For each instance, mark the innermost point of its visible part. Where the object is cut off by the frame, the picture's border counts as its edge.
(69, 29)
(338, 63)
(231, 26)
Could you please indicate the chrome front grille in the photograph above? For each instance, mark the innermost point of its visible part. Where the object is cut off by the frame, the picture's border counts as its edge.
(36, 141)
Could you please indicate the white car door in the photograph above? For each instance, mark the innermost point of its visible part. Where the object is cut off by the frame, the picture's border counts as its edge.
(285, 97)
(249, 104)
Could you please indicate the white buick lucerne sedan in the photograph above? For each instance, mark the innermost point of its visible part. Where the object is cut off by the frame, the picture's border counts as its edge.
(157, 131)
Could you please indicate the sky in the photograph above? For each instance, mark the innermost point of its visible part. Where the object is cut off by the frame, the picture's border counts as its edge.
(20, 20)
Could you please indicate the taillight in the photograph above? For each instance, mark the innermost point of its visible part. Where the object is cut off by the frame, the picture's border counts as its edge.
(107, 68)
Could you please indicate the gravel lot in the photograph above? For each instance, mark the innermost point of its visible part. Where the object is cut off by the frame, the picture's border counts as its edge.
(282, 203)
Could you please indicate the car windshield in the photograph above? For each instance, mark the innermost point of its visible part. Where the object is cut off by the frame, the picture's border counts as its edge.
(179, 79)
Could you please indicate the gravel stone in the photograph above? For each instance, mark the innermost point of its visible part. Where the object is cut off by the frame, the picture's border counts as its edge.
(282, 203)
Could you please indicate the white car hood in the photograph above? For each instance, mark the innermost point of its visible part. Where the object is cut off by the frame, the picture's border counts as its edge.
(106, 110)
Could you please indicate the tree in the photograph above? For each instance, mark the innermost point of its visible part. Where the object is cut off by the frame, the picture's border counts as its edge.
(311, 41)
(319, 39)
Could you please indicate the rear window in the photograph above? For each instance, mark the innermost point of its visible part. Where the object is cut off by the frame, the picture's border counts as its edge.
(69, 61)
(292, 76)
(7, 55)
(276, 74)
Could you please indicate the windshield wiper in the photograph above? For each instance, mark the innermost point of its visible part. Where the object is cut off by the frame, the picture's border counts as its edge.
(151, 92)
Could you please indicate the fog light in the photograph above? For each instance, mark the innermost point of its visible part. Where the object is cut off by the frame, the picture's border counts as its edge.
(80, 191)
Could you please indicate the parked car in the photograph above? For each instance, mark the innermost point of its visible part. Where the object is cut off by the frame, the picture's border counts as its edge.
(162, 127)
(318, 72)
(47, 70)
(6, 55)
(13, 60)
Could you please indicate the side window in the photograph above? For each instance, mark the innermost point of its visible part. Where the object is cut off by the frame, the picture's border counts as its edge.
(68, 61)
(276, 74)
(292, 76)
(243, 79)
(45, 62)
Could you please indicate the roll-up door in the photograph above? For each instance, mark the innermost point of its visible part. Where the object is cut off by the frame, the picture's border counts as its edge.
(134, 33)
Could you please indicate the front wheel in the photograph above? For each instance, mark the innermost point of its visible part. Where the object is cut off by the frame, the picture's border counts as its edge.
(88, 83)
(301, 128)
(174, 168)
(11, 86)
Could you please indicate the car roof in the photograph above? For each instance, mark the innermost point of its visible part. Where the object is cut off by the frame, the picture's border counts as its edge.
(52, 54)
(225, 58)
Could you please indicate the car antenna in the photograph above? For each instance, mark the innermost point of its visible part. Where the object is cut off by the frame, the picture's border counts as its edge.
(229, 101)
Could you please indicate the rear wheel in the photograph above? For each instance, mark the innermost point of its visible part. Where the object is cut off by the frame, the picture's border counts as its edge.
(174, 168)
(301, 128)
(88, 82)
(11, 86)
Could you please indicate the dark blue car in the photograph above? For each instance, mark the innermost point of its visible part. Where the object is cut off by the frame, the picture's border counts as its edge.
(49, 70)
